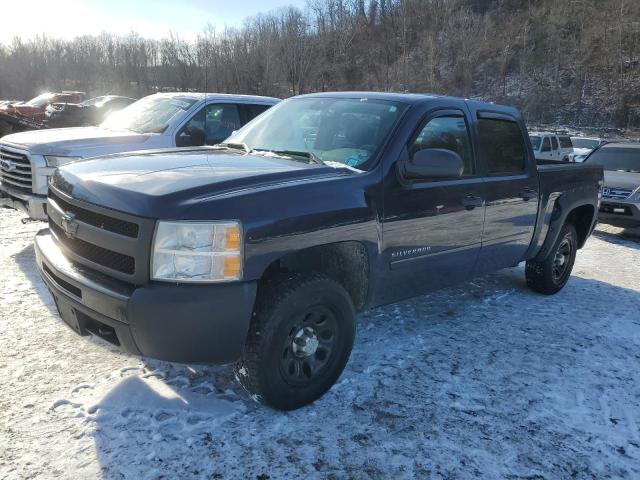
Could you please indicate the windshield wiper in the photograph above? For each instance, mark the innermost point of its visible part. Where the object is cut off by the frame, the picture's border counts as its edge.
(296, 153)
(234, 146)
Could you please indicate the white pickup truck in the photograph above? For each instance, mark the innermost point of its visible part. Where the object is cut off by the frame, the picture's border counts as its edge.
(163, 120)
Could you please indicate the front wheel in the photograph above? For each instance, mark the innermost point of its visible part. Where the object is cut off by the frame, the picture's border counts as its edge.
(551, 275)
(299, 340)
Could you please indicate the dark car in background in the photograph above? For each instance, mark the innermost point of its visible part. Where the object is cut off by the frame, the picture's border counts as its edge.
(90, 112)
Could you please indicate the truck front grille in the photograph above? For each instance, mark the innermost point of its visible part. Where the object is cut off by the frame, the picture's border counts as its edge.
(96, 219)
(94, 253)
(15, 170)
(616, 193)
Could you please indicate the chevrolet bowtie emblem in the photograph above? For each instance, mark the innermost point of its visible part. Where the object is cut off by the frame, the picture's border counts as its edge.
(69, 226)
(7, 165)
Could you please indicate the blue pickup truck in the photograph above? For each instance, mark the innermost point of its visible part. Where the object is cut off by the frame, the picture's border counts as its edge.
(261, 250)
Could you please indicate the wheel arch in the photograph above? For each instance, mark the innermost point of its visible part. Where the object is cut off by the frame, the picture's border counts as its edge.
(345, 262)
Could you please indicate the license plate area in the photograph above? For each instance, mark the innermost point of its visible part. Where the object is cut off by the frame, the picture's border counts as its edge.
(71, 317)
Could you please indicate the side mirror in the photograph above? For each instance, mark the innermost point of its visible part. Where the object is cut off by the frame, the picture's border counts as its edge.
(433, 163)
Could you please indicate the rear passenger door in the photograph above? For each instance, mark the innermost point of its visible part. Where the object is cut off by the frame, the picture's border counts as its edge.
(512, 190)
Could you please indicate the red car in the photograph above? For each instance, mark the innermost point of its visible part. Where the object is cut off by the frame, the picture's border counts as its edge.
(34, 108)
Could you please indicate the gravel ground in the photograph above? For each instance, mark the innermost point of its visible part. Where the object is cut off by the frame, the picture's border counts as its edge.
(484, 380)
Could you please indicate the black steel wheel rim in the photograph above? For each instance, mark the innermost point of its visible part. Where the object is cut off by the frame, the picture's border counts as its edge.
(309, 346)
(561, 260)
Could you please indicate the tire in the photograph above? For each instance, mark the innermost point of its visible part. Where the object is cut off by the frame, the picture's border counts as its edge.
(551, 275)
(299, 341)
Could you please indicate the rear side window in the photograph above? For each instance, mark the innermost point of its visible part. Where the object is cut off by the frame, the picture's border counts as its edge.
(449, 133)
(253, 110)
(501, 146)
(554, 143)
(565, 142)
(546, 145)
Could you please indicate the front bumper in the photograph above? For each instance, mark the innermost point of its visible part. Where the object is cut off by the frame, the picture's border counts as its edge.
(620, 213)
(33, 205)
(179, 323)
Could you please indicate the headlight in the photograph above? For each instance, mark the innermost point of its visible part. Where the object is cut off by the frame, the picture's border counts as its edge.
(59, 161)
(197, 252)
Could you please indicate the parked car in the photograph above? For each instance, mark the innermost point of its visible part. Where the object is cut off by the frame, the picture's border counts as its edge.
(551, 146)
(261, 250)
(620, 204)
(90, 112)
(17, 117)
(583, 146)
(156, 121)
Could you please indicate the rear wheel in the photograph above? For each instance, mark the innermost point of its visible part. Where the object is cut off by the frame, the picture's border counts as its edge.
(299, 341)
(551, 275)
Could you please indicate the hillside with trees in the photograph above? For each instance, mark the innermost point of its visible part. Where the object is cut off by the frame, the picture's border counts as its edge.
(571, 61)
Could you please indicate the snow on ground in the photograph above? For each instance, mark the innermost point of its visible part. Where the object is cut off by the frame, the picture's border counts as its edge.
(484, 380)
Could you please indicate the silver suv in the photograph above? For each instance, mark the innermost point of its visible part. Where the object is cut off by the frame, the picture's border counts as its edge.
(620, 204)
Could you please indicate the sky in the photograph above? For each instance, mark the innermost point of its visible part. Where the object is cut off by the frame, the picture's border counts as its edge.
(150, 18)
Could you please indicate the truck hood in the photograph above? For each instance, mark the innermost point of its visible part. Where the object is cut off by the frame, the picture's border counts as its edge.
(76, 141)
(166, 183)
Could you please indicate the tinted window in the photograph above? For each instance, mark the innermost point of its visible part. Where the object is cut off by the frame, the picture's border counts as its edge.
(501, 146)
(554, 143)
(546, 145)
(449, 133)
(255, 110)
(215, 122)
(565, 142)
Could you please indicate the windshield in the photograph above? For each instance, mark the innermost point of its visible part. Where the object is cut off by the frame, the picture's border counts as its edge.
(535, 141)
(585, 142)
(149, 115)
(40, 100)
(343, 130)
(94, 101)
(617, 158)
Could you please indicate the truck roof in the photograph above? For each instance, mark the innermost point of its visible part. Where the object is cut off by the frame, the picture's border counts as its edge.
(414, 98)
(222, 96)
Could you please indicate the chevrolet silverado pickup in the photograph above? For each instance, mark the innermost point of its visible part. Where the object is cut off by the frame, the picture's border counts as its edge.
(28, 159)
(261, 250)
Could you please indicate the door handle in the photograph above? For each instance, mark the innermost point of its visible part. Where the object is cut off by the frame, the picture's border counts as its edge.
(472, 201)
(528, 194)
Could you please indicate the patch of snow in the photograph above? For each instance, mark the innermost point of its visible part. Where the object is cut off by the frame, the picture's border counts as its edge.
(486, 379)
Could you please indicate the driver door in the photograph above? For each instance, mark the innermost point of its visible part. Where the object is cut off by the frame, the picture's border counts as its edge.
(432, 228)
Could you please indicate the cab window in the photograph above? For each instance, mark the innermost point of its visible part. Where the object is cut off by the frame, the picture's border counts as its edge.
(501, 146)
(554, 143)
(447, 132)
(211, 125)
